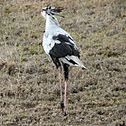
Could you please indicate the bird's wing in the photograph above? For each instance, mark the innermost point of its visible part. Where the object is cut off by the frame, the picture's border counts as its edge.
(64, 45)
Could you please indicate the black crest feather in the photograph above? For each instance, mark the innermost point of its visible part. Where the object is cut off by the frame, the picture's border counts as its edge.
(57, 10)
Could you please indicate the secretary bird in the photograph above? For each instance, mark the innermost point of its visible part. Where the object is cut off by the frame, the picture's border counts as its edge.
(60, 46)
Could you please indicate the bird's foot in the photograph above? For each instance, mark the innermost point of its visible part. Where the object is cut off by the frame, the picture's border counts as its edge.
(65, 113)
(62, 105)
(63, 108)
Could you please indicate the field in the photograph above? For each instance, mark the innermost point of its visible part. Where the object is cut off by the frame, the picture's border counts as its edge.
(29, 83)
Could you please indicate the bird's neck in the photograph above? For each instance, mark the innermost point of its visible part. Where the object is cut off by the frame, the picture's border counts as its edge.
(51, 22)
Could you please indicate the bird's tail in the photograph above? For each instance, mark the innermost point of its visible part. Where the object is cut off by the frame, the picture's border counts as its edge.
(75, 61)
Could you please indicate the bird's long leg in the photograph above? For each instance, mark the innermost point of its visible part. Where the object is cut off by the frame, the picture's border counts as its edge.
(66, 72)
(61, 97)
(65, 92)
(60, 85)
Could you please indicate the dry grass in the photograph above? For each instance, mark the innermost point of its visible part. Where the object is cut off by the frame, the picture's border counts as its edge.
(29, 87)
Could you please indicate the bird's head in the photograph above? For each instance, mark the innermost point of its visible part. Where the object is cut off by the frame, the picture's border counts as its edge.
(51, 11)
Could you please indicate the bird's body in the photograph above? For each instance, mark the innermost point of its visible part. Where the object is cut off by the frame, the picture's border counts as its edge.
(60, 46)
(58, 41)
(49, 39)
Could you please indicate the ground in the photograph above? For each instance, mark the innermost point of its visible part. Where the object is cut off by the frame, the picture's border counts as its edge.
(29, 84)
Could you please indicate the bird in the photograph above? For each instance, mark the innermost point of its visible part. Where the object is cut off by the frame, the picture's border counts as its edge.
(60, 46)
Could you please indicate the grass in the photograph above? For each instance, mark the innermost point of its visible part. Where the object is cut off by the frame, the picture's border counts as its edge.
(29, 84)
